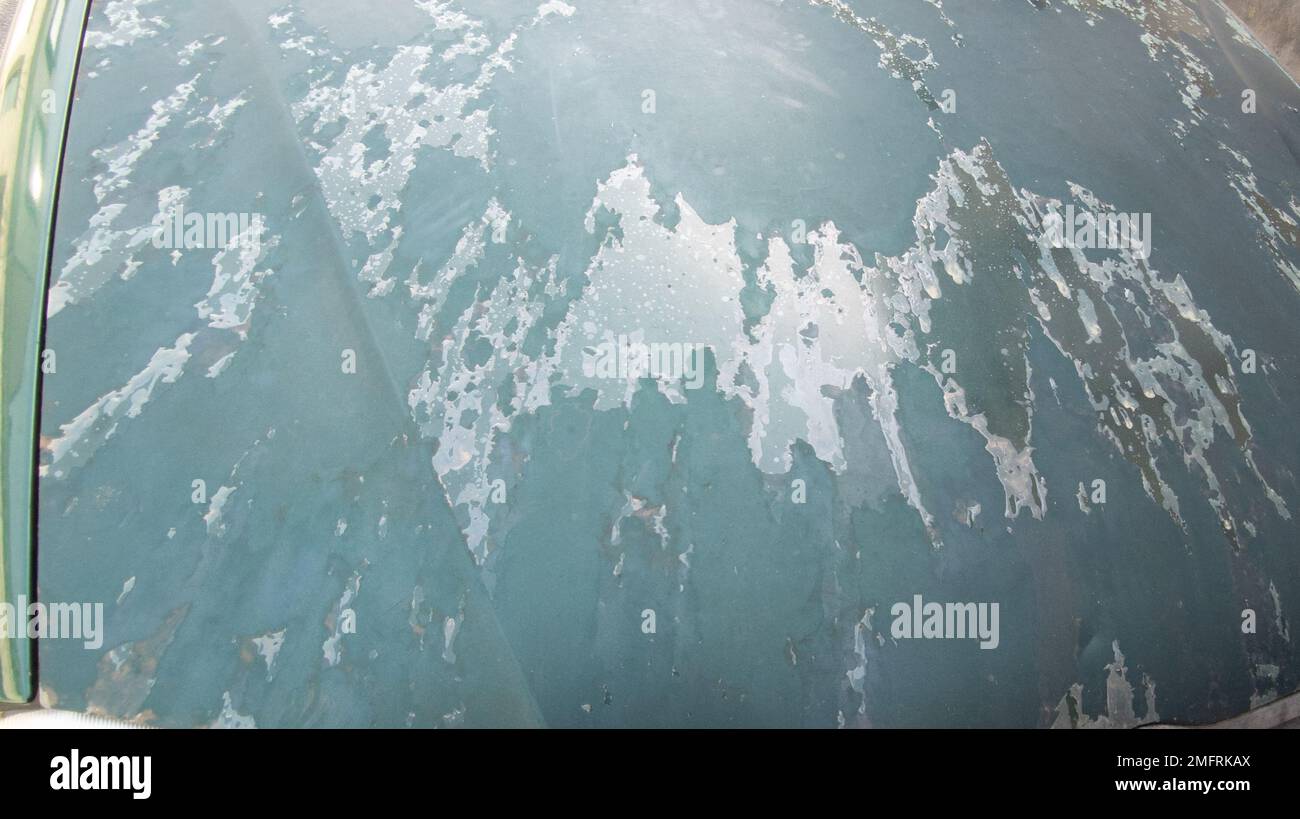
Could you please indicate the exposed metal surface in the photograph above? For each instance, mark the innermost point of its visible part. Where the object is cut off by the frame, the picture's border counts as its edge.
(36, 77)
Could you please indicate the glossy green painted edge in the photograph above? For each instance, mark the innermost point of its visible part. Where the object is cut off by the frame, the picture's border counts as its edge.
(36, 81)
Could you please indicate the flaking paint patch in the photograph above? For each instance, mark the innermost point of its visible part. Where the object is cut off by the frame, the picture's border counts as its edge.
(894, 59)
(268, 648)
(127, 673)
(229, 302)
(652, 285)
(1120, 712)
(229, 718)
(102, 249)
(842, 319)
(1165, 26)
(79, 439)
(402, 104)
(1279, 226)
(123, 23)
(459, 401)
(212, 518)
(332, 648)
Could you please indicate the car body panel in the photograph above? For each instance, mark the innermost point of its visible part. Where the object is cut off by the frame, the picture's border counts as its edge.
(357, 472)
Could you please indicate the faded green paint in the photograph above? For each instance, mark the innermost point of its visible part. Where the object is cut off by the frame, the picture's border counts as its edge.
(421, 509)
